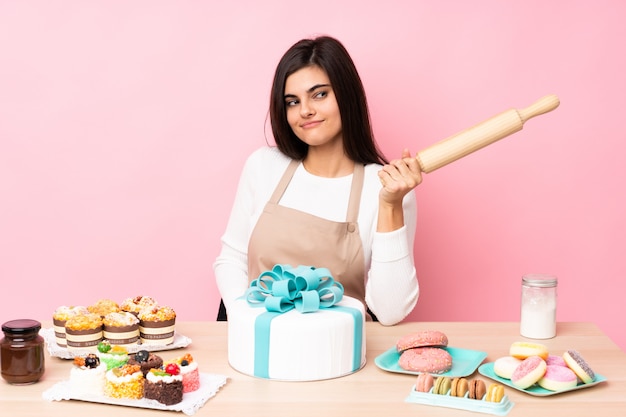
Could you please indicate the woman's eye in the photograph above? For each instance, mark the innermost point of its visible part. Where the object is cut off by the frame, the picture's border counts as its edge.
(291, 103)
(321, 94)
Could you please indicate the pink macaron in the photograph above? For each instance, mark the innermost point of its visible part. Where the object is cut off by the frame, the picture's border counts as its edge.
(528, 372)
(424, 382)
(558, 378)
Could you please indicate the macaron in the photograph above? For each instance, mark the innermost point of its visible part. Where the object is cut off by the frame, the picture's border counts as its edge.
(495, 393)
(477, 389)
(558, 378)
(459, 387)
(528, 372)
(581, 368)
(442, 385)
(424, 383)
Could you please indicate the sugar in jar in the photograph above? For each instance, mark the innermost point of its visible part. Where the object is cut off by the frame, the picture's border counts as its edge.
(538, 310)
(22, 352)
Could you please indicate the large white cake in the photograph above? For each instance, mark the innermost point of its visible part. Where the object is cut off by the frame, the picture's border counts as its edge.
(297, 346)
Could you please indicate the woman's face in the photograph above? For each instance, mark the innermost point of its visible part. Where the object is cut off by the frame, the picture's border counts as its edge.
(312, 110)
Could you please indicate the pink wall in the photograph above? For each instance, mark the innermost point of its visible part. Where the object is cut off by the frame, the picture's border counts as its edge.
(124, 126)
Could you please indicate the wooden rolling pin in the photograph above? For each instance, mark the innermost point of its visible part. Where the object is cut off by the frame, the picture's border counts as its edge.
(481, 135)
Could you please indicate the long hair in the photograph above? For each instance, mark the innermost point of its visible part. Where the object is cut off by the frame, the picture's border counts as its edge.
(332, 57)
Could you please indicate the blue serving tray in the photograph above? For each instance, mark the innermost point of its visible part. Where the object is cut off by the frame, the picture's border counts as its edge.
(464, 362)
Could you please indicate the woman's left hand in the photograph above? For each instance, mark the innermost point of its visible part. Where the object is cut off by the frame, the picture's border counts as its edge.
(399, 177)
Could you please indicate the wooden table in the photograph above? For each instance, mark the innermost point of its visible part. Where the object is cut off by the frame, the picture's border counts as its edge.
(369, 392)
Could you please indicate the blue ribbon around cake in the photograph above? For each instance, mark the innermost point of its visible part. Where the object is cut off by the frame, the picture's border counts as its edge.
(304, 288)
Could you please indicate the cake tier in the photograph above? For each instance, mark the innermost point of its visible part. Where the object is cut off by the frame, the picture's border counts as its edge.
(121, 335)
(295, 346)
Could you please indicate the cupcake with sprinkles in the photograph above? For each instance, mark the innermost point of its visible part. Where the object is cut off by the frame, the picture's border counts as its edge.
(189, 370)
(156, 325)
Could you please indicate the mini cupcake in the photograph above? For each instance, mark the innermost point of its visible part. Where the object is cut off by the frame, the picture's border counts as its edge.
(146, 360)
(189, 371)
(164, 386)
(60, 316)
(83, 331)
(121, 328)
(104, 307)
(135, 305)
(156, 325)
(124, 382)
(112, 356)
(87, 375)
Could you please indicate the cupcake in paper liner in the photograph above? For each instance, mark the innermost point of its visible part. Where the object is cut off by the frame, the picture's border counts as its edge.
(156, 325)
(136, 304)
(121, 328)
(60, 316)
(83, 331)
(103, 307)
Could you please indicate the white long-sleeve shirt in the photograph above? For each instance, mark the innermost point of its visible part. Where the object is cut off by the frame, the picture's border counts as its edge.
(391, 289)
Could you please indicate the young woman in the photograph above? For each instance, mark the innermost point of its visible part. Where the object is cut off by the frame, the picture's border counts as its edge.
(325, 196)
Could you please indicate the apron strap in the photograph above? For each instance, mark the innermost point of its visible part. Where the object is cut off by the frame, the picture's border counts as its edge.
(284, 181)
(355, 193)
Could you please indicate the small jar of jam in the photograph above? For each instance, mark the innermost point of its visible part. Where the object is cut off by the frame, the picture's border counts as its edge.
(22, 352)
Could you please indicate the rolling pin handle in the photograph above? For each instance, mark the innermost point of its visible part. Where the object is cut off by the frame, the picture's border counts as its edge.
(541, 106)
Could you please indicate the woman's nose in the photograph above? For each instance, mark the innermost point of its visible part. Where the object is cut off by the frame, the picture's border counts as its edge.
(306, 109)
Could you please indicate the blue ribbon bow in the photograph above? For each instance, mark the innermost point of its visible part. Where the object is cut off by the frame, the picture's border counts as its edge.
(304, 288)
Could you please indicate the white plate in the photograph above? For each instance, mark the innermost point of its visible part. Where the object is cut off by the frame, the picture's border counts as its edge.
(180, 341)
(192, 401)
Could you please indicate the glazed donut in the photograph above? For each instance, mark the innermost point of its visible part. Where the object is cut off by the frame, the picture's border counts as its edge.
(424, 383)
(426, 338)
(528, 372)
(522, 350)
(504, 366)
(576, 363)
(426, 359)
(558, 378)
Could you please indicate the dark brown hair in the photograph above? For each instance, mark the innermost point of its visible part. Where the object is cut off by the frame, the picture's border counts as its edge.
(332, 57)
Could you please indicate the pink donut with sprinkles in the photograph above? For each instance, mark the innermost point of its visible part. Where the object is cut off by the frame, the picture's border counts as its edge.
(426, 359)
(426, 338)
(558, 378)
(528, 372)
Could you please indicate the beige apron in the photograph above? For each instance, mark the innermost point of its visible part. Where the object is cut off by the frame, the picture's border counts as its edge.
(287, 236)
